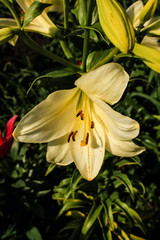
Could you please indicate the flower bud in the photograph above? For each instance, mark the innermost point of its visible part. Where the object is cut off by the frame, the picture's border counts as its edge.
(6, 34)
(116, 24)
(149, 56)
(148, 10)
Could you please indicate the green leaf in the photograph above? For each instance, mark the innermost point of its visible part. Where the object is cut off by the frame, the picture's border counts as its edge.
(33, 11)
(132, 214)
(73, 204)
(50, 168)
(58, 73)
(95, 57)
(133, 237)
(34, 234)
(124, 180)
(108, 205)
(91, 218)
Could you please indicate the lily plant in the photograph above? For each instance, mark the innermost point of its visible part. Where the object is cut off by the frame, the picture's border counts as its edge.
(79, 125)
(42, 24)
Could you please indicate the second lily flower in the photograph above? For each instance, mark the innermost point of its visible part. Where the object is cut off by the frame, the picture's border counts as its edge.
(78, 124)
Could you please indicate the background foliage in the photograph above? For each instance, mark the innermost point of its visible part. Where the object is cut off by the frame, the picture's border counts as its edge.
(41, 201)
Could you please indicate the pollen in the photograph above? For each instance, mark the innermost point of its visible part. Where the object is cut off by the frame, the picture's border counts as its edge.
(69, 136)
(73, 135)
(85, 143)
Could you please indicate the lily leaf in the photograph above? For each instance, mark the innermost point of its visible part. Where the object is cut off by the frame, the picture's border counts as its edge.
(91, 218)
(33, 11)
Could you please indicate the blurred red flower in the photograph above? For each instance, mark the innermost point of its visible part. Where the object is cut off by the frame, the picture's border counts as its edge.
(6, 143)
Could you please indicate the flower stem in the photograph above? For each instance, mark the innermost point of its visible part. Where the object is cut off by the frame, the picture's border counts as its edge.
(31, 43)
(63, 43)
(107, 58)
(86, 33)
(12, 10)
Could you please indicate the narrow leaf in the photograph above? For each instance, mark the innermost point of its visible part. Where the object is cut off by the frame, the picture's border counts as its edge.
(91, 218)
(33, 11)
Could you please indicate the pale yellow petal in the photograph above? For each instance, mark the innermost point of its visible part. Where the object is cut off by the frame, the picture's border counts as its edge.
(122, 148)
(134, 12)
(107, 82)
(58, 151)
(89, 158)
(152, 42)
(50, 119)
(117, 125)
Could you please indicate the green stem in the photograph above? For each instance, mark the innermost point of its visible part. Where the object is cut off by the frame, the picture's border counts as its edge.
(107, 58)
(12, 10)
(63, 43)
(66, 50)
(65, 8)
(86, 34)
(32, 44)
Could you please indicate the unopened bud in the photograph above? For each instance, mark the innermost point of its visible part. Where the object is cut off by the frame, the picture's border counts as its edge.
(116, 24)
(148, 11)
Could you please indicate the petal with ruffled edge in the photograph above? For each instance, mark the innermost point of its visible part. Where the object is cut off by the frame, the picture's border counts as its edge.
(50, 119)
(58, 151)
(89, 158)
(107, 82)
(134, 12)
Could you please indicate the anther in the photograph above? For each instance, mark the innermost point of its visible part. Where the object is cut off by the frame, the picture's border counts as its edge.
(92, 124)
(87, 137)
(79, 113)
(73, 136)
(69, 136)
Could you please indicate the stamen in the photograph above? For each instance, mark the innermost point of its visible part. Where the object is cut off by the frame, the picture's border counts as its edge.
(73, 136)
(84, 143)
(92, 124)
(87, 137)
(79, 113)
(69, 136)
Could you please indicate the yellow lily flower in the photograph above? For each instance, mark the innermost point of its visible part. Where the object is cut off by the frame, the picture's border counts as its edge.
(149, 48)
(41, 24)
(79, 125)
(116, 24)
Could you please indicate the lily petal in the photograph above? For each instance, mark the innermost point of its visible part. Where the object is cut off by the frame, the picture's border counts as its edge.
(134, 12)
(10, 125)
(107, 82)
(50, 119)
(122, 148)
(152, 26)
(89, 158)
(8, 22)
(58, 151)
(152, 42)
(117, 125)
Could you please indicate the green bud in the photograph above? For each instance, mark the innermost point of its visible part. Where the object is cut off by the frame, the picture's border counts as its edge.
(6, 34)
(149, 56)
(148, 11)
(116, 24)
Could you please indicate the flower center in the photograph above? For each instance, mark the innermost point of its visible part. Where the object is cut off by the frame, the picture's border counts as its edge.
(88, 124)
